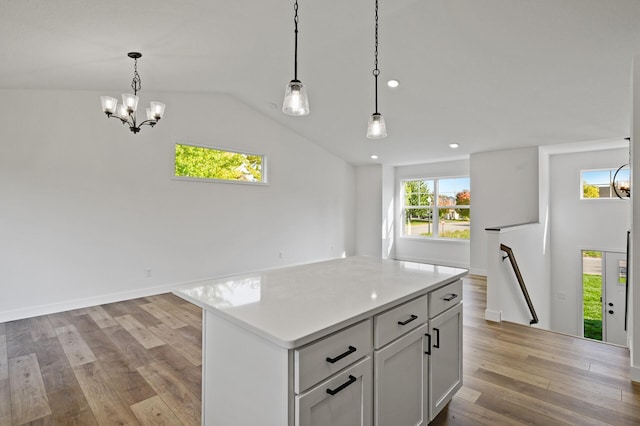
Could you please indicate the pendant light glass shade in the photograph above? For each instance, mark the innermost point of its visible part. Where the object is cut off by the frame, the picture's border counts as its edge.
(296, 101)
(376, 129)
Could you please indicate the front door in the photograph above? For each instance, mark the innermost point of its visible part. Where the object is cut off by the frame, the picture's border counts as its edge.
(614, 295)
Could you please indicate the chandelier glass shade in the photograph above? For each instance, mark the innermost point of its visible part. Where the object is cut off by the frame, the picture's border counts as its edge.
(127, 110)
(295, 101)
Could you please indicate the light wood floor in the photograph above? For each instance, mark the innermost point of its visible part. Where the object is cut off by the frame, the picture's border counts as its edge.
(138, 362)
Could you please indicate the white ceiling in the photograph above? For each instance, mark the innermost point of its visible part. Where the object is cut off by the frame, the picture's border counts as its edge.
(487, 74)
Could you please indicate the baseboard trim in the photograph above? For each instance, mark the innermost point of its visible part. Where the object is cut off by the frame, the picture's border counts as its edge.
(433, 261)
(34, 311)
(491, 315)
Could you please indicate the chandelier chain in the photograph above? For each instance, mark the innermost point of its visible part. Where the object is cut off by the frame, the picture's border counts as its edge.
(136, 83)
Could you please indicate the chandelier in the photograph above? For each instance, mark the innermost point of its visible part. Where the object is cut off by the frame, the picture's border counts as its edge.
(376, 128)
(126, 111)
(296, 101)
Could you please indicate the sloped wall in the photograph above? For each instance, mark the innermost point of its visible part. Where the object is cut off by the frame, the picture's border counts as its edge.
(87, 207)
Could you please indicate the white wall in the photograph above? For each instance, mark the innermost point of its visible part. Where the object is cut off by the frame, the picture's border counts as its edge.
(578, 225)
(505, 192)
(87, 206)
(443, 252)
(368, 210)
(634, 296)
(505, 299)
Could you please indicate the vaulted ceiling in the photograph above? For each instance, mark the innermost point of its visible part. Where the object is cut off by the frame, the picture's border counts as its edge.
(487, 74)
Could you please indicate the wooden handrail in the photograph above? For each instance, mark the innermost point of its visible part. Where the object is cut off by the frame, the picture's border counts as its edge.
(523, 287)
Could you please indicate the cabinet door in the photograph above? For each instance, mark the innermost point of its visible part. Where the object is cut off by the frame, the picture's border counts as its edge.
(401, 373)
(343, 400)
(445, 376)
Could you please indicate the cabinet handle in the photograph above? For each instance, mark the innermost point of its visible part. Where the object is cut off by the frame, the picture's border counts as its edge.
(351, 380)
(351, 350)
(449, 297)
(437, 344)
(428, 351)
(413, 317)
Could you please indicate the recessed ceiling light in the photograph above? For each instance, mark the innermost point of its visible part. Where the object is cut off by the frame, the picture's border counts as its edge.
(393, 83)
(374, 157)
(454, 145)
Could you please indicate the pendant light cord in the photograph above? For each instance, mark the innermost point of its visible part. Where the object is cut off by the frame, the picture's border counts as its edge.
(295, 53)
(376, 71)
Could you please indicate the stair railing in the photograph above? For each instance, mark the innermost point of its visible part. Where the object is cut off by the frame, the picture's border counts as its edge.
(523, 287)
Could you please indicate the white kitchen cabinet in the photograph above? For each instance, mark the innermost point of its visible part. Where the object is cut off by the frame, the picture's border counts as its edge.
(345, 399)
(445, 376)
(302, 345)
(401, 381)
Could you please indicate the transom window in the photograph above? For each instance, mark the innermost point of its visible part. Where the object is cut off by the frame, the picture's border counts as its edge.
(600, 183)
(198, 162)
(437, 208)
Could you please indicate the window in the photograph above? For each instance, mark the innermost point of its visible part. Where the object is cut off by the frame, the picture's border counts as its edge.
(447, 199)
(599, 183)
(219, 165)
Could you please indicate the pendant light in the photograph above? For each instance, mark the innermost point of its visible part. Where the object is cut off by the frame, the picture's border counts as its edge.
(126, 111)
(376, 128)
(295, 95)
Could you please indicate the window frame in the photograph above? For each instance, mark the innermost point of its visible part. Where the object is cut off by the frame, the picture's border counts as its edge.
(263, 182)
(612, 171)
(435, 209)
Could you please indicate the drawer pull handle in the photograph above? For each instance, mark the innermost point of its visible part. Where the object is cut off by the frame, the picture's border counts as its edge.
(413, 317)
(437, 344)
(351, 380)
(351, 350)
(449, 297)
(428, 351)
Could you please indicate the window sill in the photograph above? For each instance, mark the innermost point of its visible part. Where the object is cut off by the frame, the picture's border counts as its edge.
(436, 240)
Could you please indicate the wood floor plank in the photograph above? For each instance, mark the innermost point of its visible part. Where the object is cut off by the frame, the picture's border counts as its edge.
(5, 403)
(41, 328)
(559, 413)
(466, 413)
(181, 344)
(603, 414)
(142, 334)
(28, 395)
(69, 407)
(130, 307)
(173, 304)
(185, 405)
(163, 315)
(154, 411)
(19, 341)
(101, 317)
(105, 404)
(74, 346)
(4, 360)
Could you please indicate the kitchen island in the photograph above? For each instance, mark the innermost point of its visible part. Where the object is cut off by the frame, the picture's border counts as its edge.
(352, 341)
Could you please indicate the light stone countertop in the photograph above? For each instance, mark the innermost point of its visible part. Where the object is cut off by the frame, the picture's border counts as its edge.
(295, 305)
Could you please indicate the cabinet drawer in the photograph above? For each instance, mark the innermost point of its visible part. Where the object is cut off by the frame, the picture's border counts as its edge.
(399, 320)
(342, 400)
(442, 299)
(319, 360)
